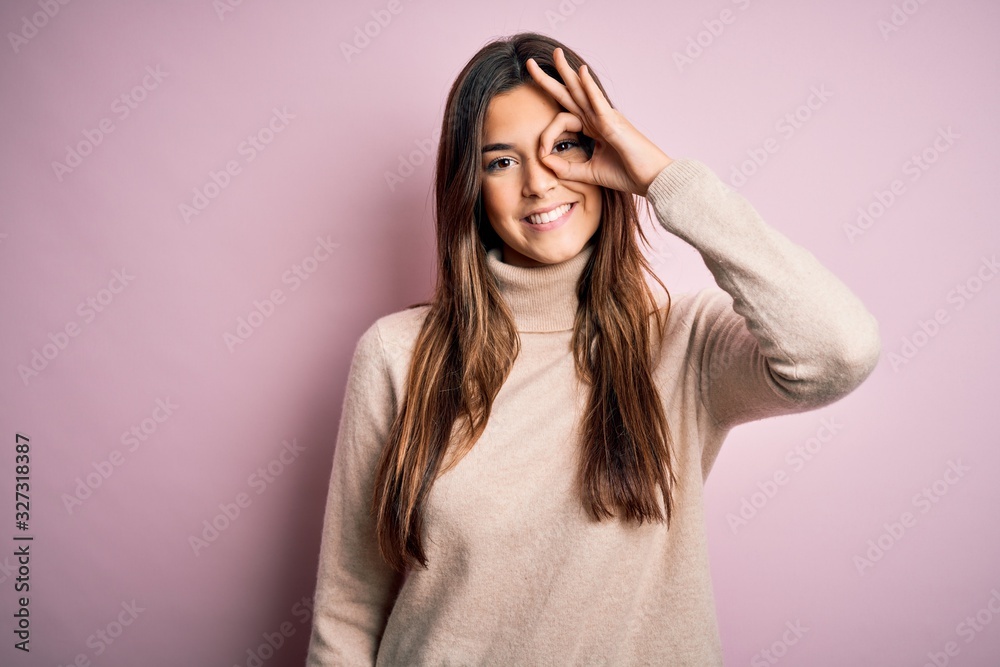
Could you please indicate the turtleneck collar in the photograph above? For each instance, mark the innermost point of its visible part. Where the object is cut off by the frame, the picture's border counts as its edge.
(542, 298)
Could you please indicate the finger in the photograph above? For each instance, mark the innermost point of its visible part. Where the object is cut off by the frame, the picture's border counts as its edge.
(563, 122)
(597, 99)
(568, 171)
(572, 81)
(609, 122)
(553, 87)
(543, 79)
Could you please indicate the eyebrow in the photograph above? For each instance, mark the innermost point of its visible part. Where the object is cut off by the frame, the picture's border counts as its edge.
(490, 148)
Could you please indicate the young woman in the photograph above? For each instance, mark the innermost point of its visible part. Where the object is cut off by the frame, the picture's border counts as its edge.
(518, 476)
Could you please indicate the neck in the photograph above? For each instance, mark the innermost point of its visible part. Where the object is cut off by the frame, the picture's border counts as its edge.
(542, 298)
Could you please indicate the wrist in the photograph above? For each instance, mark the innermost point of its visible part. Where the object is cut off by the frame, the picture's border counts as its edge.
(664, 162)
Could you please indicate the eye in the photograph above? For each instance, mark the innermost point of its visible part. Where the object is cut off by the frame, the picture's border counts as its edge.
(492, 166)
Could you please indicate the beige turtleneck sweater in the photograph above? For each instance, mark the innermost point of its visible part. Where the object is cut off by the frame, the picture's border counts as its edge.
(518, 573)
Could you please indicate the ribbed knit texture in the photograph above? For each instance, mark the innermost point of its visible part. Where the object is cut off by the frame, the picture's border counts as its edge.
(519, 574)
(538, 296)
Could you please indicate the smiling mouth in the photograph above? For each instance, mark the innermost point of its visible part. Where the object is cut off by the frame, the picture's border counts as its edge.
(550, 216)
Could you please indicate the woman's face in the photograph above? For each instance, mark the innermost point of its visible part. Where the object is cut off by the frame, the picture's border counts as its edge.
(516, 183)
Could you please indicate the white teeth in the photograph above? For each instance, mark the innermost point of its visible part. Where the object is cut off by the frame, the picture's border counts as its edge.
(542, 218)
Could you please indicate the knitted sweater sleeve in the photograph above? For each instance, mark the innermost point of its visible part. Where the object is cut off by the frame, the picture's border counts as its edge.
(355, 589)
(790, 336)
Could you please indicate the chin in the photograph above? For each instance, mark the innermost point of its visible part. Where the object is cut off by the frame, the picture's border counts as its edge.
(555, 255)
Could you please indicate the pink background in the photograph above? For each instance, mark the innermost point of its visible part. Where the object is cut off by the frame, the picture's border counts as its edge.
(323, 176)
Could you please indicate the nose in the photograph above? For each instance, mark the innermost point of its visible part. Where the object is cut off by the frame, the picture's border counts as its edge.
(538, 179)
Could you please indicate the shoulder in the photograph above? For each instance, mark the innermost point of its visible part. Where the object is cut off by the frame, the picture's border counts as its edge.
(401, 325)
(382, 354)
(396, 333)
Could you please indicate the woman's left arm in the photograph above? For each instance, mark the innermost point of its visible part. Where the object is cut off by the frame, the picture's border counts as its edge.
(795, 337)
(803, 339)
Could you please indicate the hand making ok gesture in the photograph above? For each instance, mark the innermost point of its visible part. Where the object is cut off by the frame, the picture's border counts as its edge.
(623, 158)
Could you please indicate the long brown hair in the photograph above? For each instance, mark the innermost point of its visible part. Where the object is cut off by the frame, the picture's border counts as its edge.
(468, 341)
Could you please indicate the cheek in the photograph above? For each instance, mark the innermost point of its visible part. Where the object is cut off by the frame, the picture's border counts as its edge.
(594, 201)
(492, 207)
(498, 203)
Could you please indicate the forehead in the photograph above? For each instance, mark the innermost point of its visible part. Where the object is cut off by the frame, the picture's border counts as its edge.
(524, 111)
